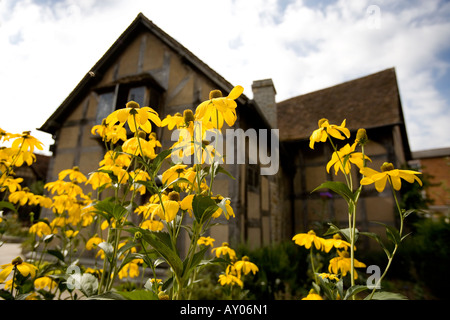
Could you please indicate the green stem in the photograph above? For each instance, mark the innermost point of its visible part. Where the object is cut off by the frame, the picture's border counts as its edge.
(13, 279)
(390, 259)
(312, 264)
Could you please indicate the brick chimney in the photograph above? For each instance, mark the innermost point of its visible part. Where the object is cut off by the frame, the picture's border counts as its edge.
(264, 95)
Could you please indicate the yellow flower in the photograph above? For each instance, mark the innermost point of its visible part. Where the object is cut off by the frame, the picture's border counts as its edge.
(40, 229)
(219, 108)
(307, 239)
(312, 295)
(112, 158)
(139, 175)
(113, 133)
(26, 142)
(186, 204)
(43, 201)
(135, 116)
(21, 197)
(134, 146)
(342, 264)
(225, 250)
(152, 225)
(229, 279)
(99, 179)
(341, 159)
(388, 173)
(71, 234)
(45, 283)
(171, 122)
(24, 268)
(12, 184)
(335, 242)
(146, 210)
(93, 242)
(74, 175)
(229, 210)
(326, 129)
(173, 173)
(206, 241)
(168, 210)
(330, 276)
(131, 270)
(246, 266)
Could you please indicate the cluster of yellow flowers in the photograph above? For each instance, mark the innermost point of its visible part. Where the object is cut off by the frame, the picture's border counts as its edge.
(341, 160)
(236, 269)
(339, 265)
(130, 167)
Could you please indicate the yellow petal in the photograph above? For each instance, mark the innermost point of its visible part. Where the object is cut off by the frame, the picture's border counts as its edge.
(236, 92)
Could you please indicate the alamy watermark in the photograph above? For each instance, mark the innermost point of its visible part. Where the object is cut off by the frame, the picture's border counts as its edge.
(373, 281)
(197, 146)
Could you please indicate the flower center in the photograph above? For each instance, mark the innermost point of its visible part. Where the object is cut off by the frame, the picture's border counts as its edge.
(174, 196)
(133, 105)
(215, 94)
(387, 166)
(188, 116)
(17, 261)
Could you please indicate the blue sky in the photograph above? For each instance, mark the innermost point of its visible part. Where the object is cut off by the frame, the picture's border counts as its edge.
(47, 46)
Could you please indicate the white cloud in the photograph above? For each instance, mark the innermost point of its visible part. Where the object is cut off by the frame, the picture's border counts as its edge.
(46, 50)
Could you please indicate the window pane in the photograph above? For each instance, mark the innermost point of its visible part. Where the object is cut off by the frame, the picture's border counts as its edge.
(138, 95)
(105, 106)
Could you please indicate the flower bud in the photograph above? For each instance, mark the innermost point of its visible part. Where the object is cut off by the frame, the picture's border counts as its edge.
(215, 94)
(361, 137)
(387, 166)
(137, 235)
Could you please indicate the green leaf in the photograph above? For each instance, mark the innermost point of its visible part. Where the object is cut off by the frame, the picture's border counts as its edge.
(378, 239)
(157, 162)
(203, 207)
(196, 259)
(56, 254)
(109, 295)
(177, 181)
(338, 187)
(346, 232)
(354, 290)
(110, 209)
(384, 295)
(8, 205)
(220, 169)
(140, 294)
(161, 242)
(392, 234)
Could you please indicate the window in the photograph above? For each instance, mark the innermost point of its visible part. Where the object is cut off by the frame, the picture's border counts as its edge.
(113, 98)
(105, 106)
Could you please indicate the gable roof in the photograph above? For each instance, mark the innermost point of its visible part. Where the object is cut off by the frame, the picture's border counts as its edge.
(368, 102)
(93, 76)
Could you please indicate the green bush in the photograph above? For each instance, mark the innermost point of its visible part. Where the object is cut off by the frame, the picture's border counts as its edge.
(282, 271)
